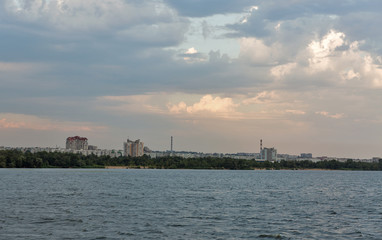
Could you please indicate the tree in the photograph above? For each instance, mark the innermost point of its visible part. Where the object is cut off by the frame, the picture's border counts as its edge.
(3, 161)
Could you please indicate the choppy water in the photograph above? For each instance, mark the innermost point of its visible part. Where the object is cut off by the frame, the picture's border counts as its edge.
(189, 204)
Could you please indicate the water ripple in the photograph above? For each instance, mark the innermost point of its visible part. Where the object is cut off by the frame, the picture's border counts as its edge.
(189, 204)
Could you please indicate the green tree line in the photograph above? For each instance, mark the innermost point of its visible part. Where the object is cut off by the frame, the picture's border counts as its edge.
(18, 159)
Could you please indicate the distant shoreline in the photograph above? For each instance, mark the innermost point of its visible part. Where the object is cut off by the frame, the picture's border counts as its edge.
(19, 159)
(215, 169)
(254, 169)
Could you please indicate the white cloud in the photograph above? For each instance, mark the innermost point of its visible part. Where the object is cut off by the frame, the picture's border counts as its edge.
(162, 104)
(139, 104)
(24, 121)
(352, 66)
(262, 97)
(256, 51)
(277, 27)
(191, 51)
(349, 75)
(249, 11)
(327, 45)
(296, 112)
(334, 59)
(178, 108)
(265, 105)
(210, 104)
(327, 114)
(192, 55)
(322, 50)
(281, 71)
(252, 8)
(372, 71)
(207, 104)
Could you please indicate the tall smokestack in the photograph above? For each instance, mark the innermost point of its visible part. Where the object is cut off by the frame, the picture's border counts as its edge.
(261, 145)
(171, 143)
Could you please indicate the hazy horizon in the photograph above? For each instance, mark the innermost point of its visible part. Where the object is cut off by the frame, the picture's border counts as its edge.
(217, 75)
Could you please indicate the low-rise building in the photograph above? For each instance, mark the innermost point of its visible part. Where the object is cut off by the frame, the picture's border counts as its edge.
(306, 155)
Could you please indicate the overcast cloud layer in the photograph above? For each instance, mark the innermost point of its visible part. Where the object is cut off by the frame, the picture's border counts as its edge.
(304, 76)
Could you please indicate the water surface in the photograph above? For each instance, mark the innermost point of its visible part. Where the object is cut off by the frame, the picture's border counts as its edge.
(189, 204)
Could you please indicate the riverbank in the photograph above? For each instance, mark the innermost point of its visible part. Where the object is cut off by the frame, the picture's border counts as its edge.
(18, 159)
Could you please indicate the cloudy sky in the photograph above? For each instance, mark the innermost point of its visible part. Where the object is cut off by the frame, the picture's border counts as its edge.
(218, 75)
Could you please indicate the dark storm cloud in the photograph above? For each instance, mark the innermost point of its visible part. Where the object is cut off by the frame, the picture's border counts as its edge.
(88, 45)
(116, 56)
(273, 9)
(94, 45)
(261, 22)
(203, 8)
(285, 67)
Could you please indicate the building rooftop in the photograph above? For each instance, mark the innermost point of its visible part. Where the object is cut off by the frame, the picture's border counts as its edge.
(76, 138)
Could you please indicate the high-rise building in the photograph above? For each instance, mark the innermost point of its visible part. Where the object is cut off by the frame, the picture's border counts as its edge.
(133, 148)
(268, 154)
(77, 143)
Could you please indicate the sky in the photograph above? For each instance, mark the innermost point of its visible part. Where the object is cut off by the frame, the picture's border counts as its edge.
(218, 75)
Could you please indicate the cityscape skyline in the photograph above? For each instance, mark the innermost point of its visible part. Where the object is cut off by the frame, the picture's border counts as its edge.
(218, 76)
(78, 144)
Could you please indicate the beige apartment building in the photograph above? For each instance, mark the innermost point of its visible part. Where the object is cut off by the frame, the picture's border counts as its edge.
(133, 148)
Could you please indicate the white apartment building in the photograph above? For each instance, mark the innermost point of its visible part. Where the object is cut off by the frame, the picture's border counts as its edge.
(77, 143)
(269, 154)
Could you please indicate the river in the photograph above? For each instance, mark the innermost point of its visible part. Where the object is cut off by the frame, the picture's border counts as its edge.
(189, 204)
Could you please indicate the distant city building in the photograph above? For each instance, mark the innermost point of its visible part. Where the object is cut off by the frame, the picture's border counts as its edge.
(92, 147)
(147, 150)
(268, 154)
(306, 155)
(77, 143)
(133, 148)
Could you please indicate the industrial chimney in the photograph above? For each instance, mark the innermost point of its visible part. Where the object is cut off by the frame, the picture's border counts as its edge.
(171, 143)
